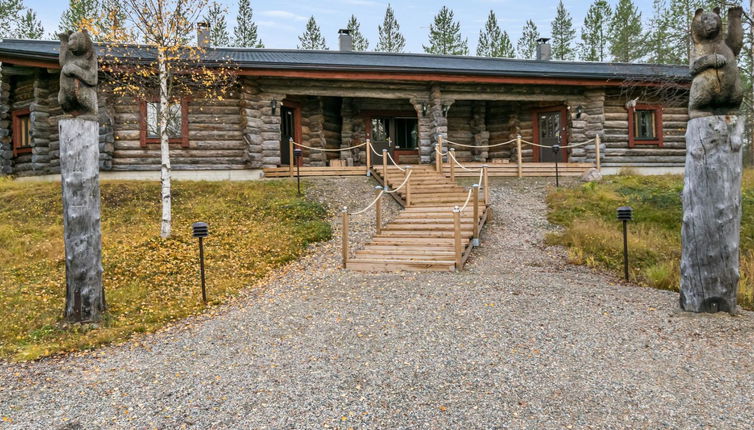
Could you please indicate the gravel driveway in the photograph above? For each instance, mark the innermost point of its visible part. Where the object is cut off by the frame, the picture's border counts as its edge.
(517, 340)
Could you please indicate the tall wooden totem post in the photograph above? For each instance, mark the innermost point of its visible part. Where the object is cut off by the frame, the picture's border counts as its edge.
(79, 168)
(712, 186)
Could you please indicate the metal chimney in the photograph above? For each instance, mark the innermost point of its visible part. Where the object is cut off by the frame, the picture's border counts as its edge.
(345, 39)
(544, 51)
(202, 34)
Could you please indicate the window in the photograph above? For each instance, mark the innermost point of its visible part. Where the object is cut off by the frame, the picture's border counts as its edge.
(21, 131)
(645, 125)
(177, 118)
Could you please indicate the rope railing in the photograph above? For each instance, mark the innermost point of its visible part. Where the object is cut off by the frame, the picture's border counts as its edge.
(405, 181)
(390, 157)
(480, 146)
(329, 149)
(573, 145)
(468, 198)
(379, 196)
(453, 156)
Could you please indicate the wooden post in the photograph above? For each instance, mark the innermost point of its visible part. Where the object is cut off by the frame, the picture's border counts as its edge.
(457, 237)
(519, 157)
(711, 229)
(369, 155)
(408, 186)
(384, 167)
(476, 213)
(452, 161)
(291, 158)
(378, 210)
(486, 185)
(438, 159)
(345, 236)
(79, 170)
(597, 150)
(439, 154)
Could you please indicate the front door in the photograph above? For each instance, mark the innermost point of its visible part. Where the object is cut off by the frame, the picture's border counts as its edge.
(550, 131)
(399, 135)
(287, 132)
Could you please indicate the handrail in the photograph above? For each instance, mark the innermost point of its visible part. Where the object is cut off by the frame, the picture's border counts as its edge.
(573, 145)
(402, 185)
(390, 157)
(480, 146)
(370, 204)
(329, 149)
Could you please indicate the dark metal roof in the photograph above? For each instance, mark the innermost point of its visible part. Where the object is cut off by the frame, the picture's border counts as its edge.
(247, 58)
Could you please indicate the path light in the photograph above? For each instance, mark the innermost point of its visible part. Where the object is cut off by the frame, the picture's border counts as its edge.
(201, 230)
(625, 214)
(297, 154)
(556, 150)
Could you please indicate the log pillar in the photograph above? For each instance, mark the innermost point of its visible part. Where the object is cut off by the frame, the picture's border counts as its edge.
(711, 214)
(79, 168)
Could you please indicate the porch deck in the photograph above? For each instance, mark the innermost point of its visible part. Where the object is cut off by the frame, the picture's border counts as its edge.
(494, 170)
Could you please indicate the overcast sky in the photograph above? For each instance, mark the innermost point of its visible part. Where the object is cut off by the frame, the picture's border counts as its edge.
(280, 23)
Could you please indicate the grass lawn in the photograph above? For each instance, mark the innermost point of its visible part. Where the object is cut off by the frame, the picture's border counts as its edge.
(594, 236)
(254, 227)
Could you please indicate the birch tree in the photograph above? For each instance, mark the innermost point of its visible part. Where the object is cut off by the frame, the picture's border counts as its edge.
(594, 44)
(445, 35)
(360, 43)
(527, 44)
(312, 37)
(245, 32)
(563, 34)
(163, 28)
(390, 37)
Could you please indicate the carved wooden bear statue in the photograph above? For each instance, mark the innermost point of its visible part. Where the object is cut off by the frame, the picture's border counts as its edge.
(716, 86)
(78, 78)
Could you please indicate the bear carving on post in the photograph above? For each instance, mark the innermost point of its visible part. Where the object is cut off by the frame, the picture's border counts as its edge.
(716, 86)
(78, 78)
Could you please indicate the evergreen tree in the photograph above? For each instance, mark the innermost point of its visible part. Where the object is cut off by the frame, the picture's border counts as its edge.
(527, 44)
(626, 38)
(112, 21)
(81, 14)
(29, 27)
(594, 44)
(10, 16)
(218, 28)
(492, 41)
(445, 35)
(245, 32)
(659, 49)
(391, 39)
(312, 37)
(563, 34)
(360, 43)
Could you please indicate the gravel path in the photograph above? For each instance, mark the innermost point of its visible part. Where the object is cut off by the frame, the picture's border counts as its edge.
(518, 340)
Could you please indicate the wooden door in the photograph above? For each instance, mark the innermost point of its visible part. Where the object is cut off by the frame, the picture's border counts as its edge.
(550, 129)
(287, 132)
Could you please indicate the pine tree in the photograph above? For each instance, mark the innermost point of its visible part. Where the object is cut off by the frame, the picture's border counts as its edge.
(111, 24)
(312, 37)
(626, 38)
(360, 43)
(492, 41)
(445, 35)
(245, 31)
(594, 44)
(527, 44)
(391, 39)
(29, 26)
(218, 28)
(10, 16)
(563, 34)
(658, 35)
(80, 14)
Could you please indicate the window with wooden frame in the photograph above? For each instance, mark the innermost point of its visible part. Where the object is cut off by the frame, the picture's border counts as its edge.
(645, 125)
(177, 127)
(21, 131)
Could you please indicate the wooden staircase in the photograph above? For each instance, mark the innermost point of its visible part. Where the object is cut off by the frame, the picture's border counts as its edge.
(423, 236)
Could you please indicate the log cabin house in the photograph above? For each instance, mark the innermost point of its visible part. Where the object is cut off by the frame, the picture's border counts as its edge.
(336, 99)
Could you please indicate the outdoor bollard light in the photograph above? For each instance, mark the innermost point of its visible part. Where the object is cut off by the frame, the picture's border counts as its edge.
(625, 214)
(201, 230)
(556, 150)
(297, 154)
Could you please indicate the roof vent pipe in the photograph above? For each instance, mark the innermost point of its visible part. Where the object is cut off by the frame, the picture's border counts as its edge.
(346, 40)
(544, 52)
(202, 34)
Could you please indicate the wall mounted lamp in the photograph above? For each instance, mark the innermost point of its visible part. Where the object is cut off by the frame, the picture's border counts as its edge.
(274, 105)
(445, 109)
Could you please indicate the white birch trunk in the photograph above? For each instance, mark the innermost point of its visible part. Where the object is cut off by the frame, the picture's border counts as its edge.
(167, 219)
(711, 214)
(79, 169)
